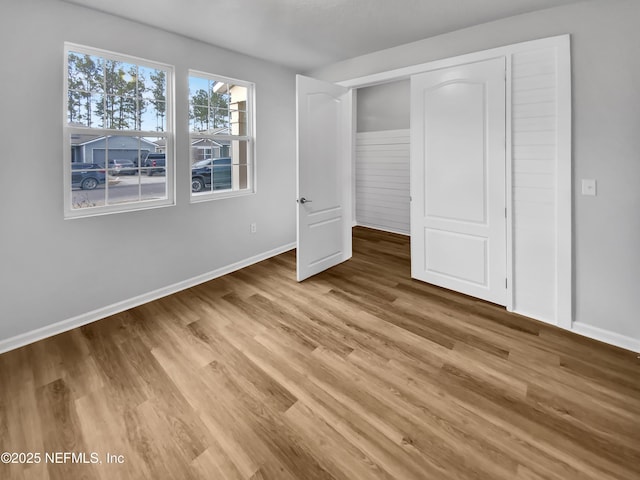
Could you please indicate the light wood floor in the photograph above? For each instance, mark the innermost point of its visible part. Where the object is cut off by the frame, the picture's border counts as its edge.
(358, 373)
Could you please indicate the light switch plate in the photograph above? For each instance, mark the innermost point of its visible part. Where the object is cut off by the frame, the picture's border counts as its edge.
(588, 187)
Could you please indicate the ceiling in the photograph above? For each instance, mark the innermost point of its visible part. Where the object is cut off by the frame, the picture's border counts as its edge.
(308, 34)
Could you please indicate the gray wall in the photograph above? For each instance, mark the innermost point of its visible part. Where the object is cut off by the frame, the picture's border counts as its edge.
(53, 269)
(383, 107)
(606, 140)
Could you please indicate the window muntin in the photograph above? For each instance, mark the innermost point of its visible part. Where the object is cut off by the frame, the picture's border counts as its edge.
(117, 108)
(220, 130)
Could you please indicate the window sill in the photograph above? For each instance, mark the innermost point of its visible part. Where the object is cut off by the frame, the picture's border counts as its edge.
(206, 197)
(115, 209)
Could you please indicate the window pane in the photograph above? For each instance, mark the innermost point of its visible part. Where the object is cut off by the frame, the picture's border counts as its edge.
(106, 171)
(197, 84)
(239, 151)
(237, 94)
(85, 72)
(112, 94)
(220, 120)
(87, 189)
(217, 107)
(132, 180)
(199, 118)
(203, 149)
(120, 78)
(214, 174)
(88, 179)
(152, 84)
(104, 94)
(84, 109)
(153, 156)
(120, 113)
(219, 111)
(153, 188)
(238, 122)
(74, 107)
(241, 177)
(219, 165)
(219, 95)
(152, 115)
(238, 109)
(199, 112)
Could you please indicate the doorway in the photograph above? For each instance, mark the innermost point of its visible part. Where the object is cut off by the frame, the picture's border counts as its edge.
(537, 177)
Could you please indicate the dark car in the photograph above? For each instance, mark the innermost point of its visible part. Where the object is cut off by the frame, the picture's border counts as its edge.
(211, 174)
(122, 167)
(87, 176)
(155, 163)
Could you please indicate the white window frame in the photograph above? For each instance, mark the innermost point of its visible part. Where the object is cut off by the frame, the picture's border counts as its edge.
(168, 134)
(249, 138)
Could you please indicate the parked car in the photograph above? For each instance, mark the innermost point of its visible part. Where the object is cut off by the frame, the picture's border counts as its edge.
(155, 163)
(122, 167)
(87, 176)
(211, 174)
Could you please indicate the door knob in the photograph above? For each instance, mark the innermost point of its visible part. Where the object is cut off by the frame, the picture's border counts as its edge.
(303, 200)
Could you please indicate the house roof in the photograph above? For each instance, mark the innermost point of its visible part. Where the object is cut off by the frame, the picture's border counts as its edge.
(96, 138)
(88, 139)
(203, 140)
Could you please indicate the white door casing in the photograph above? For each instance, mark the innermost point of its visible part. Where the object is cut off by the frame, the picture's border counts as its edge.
(458, 167)
(324, 113)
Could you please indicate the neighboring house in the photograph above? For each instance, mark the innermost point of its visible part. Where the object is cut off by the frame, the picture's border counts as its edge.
(118, 146)
(206, 148)
(161, 145)
(93, 149)
(203, 149)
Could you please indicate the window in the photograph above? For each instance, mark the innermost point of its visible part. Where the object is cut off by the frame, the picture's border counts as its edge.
(221, 136)
(118, 133)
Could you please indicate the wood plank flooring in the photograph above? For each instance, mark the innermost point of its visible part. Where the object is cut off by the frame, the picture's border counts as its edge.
(358, 373)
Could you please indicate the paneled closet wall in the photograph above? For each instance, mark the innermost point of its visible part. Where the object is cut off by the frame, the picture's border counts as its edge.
(382, 157)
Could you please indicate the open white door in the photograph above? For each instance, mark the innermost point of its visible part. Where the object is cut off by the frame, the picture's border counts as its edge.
(458, 225)
(324, 133)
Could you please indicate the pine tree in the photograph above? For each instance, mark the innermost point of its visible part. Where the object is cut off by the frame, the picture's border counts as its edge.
(118, 107)
(159, 79)
(85, 79)
(200, 109)
(74, 83)
(219, 109)
(210, 109)
(114, 92)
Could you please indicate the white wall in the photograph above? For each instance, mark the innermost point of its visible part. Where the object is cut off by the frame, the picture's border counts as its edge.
(383, 107)
(53, 269)
(606, 144)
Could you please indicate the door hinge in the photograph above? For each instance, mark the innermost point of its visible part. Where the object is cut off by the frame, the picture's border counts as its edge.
(506, 284)
(505, 212)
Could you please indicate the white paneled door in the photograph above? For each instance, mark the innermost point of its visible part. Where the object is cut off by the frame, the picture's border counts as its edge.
(458, 187)
(324, 113)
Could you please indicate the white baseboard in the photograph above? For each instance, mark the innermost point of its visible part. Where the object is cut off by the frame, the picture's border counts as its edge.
(535, 316)
(85, 318)
(385, 229)
(595, 333)
(606, 336)
(26, 338)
